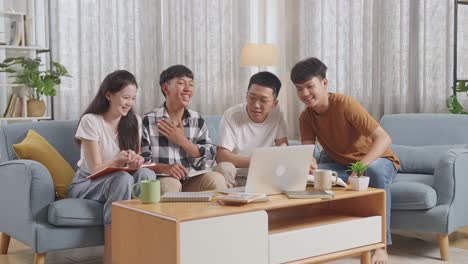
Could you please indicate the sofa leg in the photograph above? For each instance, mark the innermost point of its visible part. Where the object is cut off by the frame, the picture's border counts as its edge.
(39, 258)
(4, 243)
(443, 240)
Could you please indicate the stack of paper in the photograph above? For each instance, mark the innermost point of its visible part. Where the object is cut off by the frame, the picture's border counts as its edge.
(242, 198)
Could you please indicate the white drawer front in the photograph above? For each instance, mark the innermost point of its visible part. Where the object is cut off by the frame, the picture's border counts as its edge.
(239, 238)
(324, 239)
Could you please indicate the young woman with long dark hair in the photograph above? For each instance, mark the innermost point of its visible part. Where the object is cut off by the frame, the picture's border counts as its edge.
(109, 134)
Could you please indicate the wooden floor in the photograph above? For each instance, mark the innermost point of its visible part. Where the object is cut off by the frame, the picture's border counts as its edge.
(21, 254)
(459, 239)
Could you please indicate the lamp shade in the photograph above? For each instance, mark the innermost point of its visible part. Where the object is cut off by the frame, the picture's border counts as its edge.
(259, 55)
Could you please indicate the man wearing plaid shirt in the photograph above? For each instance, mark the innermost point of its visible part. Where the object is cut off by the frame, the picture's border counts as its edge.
(177, 139)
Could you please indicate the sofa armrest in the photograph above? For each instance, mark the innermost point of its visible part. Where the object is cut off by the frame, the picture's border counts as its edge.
(451, 177)
(26, 190)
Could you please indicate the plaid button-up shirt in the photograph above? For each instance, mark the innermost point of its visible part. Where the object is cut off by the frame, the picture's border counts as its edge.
(159, 149)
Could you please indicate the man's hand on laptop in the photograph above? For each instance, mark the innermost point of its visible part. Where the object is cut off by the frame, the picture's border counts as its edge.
(313, 166)
(174, 170)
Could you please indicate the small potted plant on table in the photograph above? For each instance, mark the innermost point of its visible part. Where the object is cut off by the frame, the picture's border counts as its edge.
(358, 181)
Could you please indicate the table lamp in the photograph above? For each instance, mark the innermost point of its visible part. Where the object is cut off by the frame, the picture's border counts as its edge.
(259, 55)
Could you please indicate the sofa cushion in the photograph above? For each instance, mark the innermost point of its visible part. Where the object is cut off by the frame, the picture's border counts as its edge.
(426, 129)
(421, 159)
(212, 122)
(60, 134)
(76, 212)
(427, 179)
(35, 147)
(412, 196)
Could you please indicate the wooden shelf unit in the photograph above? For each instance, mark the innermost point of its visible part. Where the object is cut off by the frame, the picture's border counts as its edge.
(25, 118)
(456, 78)
(294, 218)
(31, 46)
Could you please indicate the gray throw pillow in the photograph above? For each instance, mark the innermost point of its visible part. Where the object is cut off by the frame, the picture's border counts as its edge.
(421, 159)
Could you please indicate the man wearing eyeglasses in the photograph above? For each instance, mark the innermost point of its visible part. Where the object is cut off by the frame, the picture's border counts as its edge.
(257, 123)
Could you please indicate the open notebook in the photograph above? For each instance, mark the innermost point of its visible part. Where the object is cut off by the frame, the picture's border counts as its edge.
(340, 182)
(112, 169)
(191, 173)
(187, 197)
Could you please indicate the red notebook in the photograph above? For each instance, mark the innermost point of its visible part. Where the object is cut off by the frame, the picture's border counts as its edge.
(112, 169)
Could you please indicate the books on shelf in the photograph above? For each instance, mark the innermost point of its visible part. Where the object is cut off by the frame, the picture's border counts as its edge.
(339, 182)
(314, 194)
(15, 106)
(15, 30)
(187, 197)
(10, 105)
(112, 169)
(242, 198)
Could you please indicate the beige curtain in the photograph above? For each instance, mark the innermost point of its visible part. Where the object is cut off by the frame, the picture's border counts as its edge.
(394, 56)
(93, 38)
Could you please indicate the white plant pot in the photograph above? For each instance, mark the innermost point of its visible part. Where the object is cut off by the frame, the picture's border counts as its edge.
(359, 183)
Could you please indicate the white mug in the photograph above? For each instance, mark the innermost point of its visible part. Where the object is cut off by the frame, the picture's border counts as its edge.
(323, 179)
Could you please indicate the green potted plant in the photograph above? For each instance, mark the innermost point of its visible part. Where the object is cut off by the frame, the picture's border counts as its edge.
(27, 71)
(453, 104)
(358, 181)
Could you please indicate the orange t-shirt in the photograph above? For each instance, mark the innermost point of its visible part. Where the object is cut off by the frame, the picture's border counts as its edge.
(343, 130)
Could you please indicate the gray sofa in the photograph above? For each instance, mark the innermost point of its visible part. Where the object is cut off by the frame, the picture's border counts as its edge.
(29, 212)
(427, 195)
(27, 194)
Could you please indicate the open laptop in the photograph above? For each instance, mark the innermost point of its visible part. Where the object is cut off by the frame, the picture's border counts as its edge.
(274, 170)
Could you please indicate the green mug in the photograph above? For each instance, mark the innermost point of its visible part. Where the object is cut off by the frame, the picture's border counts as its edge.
(150, 191)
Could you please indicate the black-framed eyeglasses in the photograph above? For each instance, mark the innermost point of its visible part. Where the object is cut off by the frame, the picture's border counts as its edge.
(252, 99)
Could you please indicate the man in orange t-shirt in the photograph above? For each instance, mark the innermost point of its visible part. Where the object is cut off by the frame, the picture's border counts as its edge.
(347, 133)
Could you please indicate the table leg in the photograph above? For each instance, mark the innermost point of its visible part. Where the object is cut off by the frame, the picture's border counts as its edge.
(366, 257)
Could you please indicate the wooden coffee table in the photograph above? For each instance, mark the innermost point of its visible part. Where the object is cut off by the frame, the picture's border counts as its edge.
(279, 231)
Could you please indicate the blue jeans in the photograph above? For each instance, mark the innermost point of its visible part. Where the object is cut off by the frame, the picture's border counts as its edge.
(381, 173)
(109, 188)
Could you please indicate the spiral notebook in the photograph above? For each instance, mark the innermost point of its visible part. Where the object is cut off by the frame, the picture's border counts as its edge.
(187, 197)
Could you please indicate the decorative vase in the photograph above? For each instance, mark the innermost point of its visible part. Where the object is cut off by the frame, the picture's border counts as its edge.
(36, 108)
(359, 183)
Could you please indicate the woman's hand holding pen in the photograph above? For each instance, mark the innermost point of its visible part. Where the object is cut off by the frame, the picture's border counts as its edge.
(134, 160)
(122, 158)
(129, 157)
